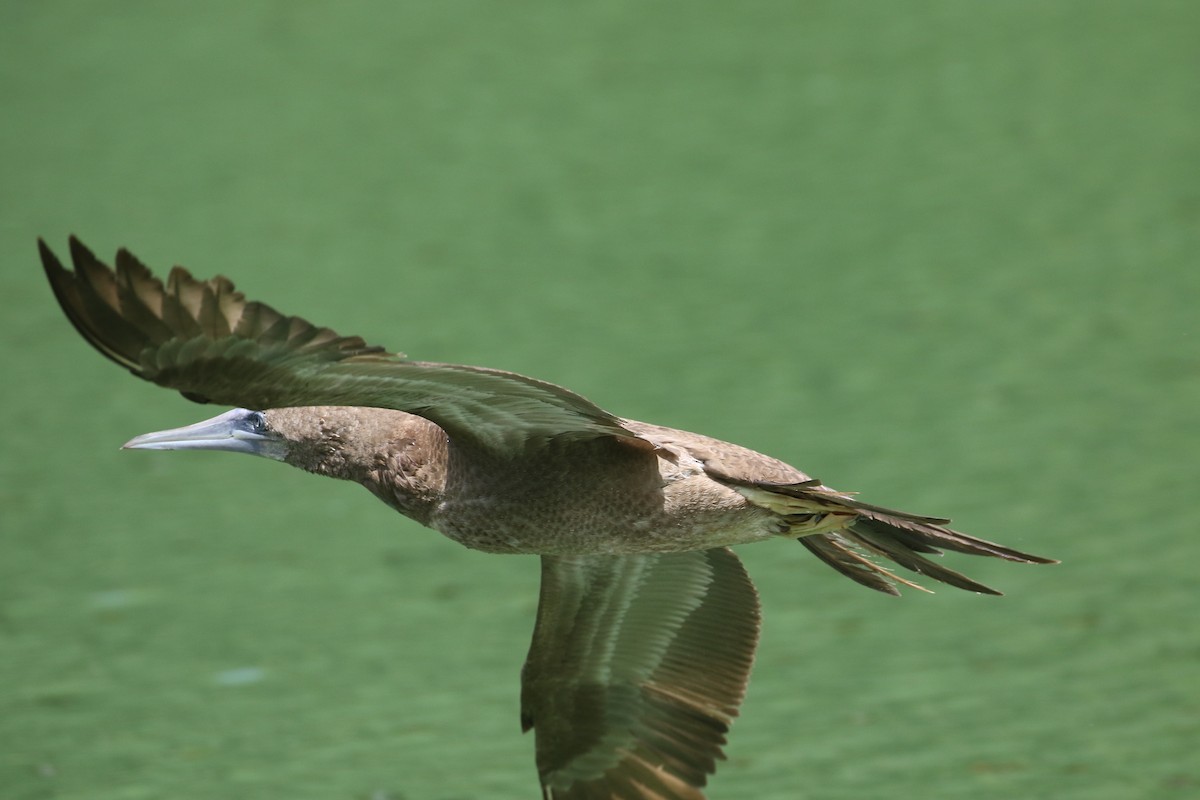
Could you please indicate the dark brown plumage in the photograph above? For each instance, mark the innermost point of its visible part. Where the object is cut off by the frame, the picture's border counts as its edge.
(647, 623)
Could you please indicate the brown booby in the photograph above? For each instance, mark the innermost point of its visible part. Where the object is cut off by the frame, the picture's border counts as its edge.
(647, 622)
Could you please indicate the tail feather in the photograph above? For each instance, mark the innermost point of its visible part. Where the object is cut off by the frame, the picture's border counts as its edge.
(830, 548)
(869, 537)
(932, 538)
(906, 539)
(929, 535)
(860, 530)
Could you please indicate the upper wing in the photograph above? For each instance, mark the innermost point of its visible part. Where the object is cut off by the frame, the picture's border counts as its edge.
(206, 340)
(637, 667)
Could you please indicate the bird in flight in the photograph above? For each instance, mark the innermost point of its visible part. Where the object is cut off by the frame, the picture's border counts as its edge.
(647, 622)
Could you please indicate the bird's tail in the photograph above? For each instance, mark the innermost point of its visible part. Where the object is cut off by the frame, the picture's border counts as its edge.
(905, 539)
(846, 533)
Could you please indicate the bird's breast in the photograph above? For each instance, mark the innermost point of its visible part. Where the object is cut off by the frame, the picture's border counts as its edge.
(595, 505)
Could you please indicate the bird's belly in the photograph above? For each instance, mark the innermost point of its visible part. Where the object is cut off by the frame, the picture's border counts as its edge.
(690, 514)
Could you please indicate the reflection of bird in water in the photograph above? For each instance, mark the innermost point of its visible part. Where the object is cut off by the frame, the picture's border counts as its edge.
(646, 623)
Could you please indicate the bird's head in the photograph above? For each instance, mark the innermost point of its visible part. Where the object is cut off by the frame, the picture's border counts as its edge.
(339, 441)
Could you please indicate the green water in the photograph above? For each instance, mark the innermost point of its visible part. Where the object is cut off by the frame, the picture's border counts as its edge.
(941, 253)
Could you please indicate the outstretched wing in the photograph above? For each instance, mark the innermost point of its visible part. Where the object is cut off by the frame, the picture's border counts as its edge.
(637, 667)
(206, 340)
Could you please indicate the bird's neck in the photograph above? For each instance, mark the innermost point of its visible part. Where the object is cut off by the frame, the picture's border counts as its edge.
(398, 457)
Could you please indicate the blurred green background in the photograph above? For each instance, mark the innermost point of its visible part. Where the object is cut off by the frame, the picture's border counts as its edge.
(941, 253)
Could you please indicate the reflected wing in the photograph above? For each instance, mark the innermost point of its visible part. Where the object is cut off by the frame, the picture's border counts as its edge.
(637, 667)
(206, 340)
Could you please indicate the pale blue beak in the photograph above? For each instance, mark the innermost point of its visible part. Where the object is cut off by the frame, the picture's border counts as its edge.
(236, 431)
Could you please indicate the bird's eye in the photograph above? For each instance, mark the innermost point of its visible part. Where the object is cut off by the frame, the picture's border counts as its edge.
(256, 421)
